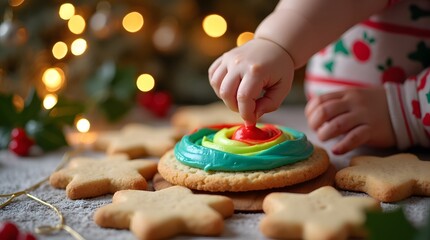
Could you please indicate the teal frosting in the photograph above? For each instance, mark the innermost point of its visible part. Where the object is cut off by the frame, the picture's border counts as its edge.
(190, 152)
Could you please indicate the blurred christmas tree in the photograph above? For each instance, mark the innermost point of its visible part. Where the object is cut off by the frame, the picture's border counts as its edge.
(94, 51)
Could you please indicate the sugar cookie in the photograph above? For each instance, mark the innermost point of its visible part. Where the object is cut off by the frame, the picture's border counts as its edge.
(137, 140)
(219, 181)
(321, 214)
(166, 213)
(87, 177)
(387, 179)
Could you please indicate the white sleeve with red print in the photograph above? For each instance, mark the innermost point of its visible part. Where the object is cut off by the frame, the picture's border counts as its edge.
(409, 105)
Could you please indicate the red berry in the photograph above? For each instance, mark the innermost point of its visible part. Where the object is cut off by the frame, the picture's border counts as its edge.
(145, 99)
(26, 236)
(161, 103)
(20, 147)
(361, 50)
(8, 231)
(426, 119)
(18, 133)
(394, 74)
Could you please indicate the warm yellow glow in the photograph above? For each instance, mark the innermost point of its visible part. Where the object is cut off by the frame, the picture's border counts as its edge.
(18, 102)
(133, 22)
(83, 125)
(49, 101)
(145, 82)
(76, 24)
(78, 47)
(67, 10)
(244, 37)
(214, 25)
(15, 3)
(53, 78)
(59, 50)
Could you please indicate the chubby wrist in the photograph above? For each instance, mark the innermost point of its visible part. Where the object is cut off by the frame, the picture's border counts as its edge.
(278, 45)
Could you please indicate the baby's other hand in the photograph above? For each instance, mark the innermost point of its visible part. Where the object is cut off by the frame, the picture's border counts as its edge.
(252, 79)
(360, 116)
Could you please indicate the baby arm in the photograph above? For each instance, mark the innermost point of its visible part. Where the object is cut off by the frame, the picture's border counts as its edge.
(254, 78)
(396, 114)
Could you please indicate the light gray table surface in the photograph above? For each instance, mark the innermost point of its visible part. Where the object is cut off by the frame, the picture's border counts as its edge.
(19, 173)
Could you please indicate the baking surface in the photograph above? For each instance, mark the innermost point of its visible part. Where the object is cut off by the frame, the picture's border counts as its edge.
(18, 174)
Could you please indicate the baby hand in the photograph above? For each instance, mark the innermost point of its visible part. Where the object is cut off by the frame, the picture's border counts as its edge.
(253, 79)
(360, 116)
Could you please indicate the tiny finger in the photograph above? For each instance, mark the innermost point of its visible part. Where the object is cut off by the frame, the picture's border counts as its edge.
(326, 112)
(228, 90)
(353, 139)
(214, 66)
(339, 125)
(314, 102)
(272, 98)
(217, 79)
(248, 92)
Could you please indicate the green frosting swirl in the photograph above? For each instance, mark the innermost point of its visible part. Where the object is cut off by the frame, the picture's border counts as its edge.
(234, 156)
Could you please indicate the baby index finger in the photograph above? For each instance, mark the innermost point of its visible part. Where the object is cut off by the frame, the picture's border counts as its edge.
(228, 89)
(248, 92)
(315, 101)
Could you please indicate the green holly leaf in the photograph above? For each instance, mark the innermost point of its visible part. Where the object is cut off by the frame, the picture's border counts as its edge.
(339, 47)
(47, 136)
(422, 54)
(389, 225)
(4, 137)
(99, 84)
(114, 108)
(124, 84)
(329, 66)
(64, 112)
(113, 89)
(8, 112)
(32, 108)
(389, 62)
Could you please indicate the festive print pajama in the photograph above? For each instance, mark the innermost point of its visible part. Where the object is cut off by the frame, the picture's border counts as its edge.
(390, 49)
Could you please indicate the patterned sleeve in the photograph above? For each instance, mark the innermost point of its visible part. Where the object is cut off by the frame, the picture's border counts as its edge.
(409, 106)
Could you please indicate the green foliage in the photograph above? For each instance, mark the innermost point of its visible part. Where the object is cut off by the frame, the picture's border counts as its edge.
(113, 89)
(43, 126)
(394, 225)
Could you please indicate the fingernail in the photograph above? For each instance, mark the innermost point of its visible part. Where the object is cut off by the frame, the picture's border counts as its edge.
(336, 151)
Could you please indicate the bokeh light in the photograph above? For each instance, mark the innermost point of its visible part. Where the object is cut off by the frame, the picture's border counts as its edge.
(15, 3)
(18, 102)
(133, 22)
(145, 82)
(76, 24)
(59, 50)
(49, 101)
(214, 25)
(78, 47)
(83, 125)
(244, 37)
(53, 78)
(67, 10)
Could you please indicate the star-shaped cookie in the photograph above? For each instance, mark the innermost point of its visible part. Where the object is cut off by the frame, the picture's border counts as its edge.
(87, 177)
(387, 179)
(321, 214)
(137, 140)
(165, 213)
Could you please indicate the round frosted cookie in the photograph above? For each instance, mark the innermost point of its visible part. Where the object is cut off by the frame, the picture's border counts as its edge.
(221, 181)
